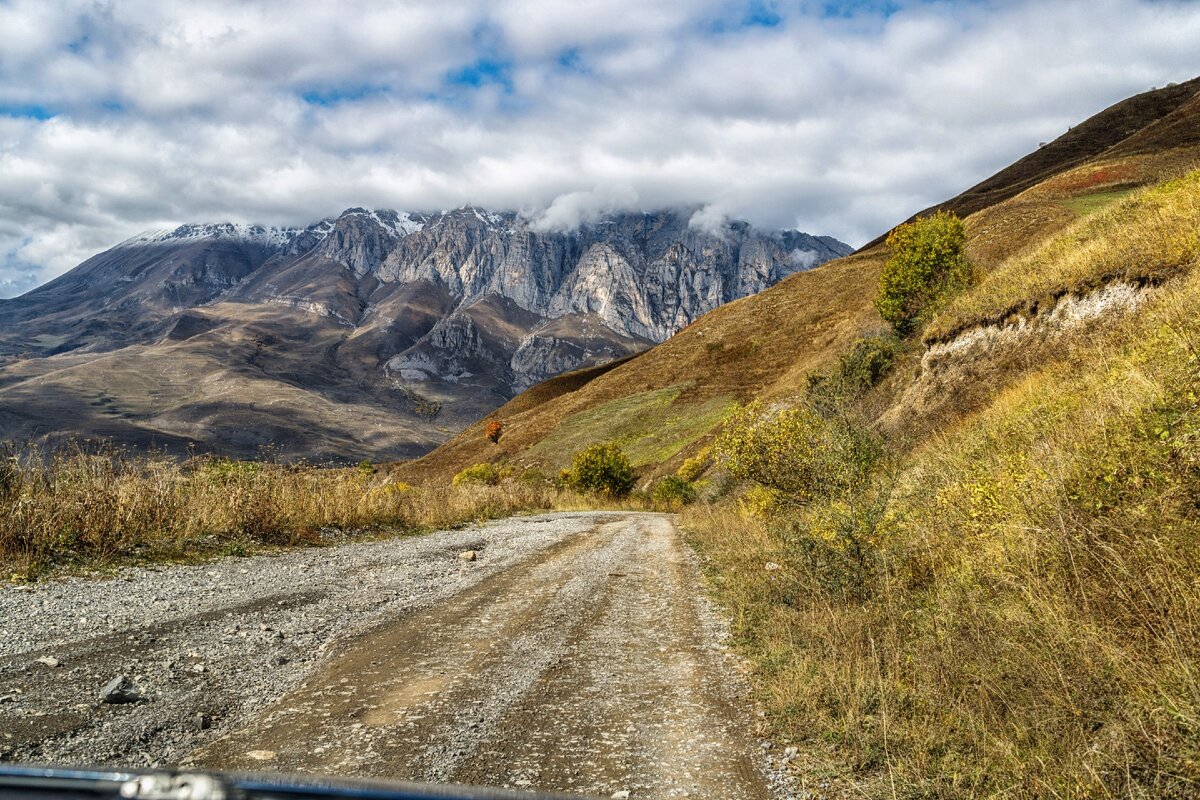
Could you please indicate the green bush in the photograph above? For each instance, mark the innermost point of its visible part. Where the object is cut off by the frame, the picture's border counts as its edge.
(857, 370)
(674, 489)
(600, 469)
(841, 544)
(691, 469)
(226, 471)
(927, 262)
(479, 474)
(533, 476)
(868, 360)
(796, 452)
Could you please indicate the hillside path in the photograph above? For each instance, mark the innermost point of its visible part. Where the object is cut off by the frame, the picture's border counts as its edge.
(576, 654)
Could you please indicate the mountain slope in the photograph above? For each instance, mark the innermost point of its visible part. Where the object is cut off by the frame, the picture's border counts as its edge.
(765, 346)
(372, 335)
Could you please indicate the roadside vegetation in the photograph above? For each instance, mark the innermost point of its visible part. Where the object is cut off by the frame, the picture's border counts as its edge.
(1010, 605)
(91, 506)
(88, 506)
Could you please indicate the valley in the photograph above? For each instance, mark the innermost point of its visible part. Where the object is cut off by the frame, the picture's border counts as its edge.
(641, 502)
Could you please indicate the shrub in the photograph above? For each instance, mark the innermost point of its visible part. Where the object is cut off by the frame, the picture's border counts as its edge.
(796, 452)
(841, 543)
(759, 501)
(494, 430)
(857, 370)
(692, 468)
(600, 469)
(867, 361)
(674, 489)
(534, 477)
(926, 263)
(479, 474)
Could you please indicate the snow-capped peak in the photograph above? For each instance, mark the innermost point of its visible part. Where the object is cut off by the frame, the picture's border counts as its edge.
(396, 223)
(257, 234)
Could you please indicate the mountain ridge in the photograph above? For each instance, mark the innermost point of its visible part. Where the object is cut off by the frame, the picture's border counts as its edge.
(435, 317)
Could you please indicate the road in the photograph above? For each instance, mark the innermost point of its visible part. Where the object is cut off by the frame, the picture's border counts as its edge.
(575, 654)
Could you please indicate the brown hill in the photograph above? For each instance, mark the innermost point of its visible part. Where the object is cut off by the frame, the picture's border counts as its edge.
(662, 404)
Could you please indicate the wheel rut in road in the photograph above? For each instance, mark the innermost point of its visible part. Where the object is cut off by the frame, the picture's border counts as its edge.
(592, 668)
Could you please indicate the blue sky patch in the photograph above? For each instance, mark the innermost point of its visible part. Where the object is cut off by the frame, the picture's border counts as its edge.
(26, 110)
(482, 72)
(332, 96)
(761, 14)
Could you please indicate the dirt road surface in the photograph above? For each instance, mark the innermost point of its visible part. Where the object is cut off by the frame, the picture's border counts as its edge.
(576, 653)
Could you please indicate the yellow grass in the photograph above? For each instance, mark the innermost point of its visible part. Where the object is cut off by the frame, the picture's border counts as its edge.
(1150, 235)
(1027, 623)
(92, 506)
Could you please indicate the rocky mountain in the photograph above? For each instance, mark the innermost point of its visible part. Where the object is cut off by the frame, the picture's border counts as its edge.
(373, 334)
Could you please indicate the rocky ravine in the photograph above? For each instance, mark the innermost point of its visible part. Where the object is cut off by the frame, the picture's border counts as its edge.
(434, 319)
(574, 653)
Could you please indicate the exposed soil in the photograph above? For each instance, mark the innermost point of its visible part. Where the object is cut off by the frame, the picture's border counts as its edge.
(576, 654)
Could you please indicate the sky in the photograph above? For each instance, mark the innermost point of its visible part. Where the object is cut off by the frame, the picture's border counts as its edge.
(838, 118)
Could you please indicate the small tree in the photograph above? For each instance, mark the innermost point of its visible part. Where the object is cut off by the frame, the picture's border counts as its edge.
(675, 490)
(926, 262)
(600, 469)
(494, 430)
(691, 469)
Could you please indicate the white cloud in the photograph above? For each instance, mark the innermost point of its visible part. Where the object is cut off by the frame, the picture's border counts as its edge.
(802, 259)
(568, 211)
(284, 112)
(711, 219)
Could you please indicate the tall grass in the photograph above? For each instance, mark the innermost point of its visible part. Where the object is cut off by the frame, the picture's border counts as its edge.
(84, 505)
(1026, 619)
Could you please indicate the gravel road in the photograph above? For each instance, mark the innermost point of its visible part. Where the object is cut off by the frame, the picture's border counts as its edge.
(574, 653)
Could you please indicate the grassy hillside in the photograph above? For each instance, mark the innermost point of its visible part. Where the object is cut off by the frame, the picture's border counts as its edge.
(765, 346)
(1012, 608)
(1006, 602)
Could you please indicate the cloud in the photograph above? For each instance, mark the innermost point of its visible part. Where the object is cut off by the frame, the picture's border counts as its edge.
(570, 210)
(710, 219)
(802, 259)
(121, 116)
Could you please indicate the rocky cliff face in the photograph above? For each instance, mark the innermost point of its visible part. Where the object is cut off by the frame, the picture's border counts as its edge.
(445, 315)
(644, 275)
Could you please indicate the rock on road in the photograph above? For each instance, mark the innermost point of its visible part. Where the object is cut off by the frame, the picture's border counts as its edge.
(576, 654)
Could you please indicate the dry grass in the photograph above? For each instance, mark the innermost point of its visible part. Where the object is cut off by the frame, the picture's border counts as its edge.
(1146, 237)
(89, 507)
(1025, 621)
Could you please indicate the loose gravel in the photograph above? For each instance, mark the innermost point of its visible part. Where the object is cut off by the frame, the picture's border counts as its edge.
(211, 644)
(575, 652)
